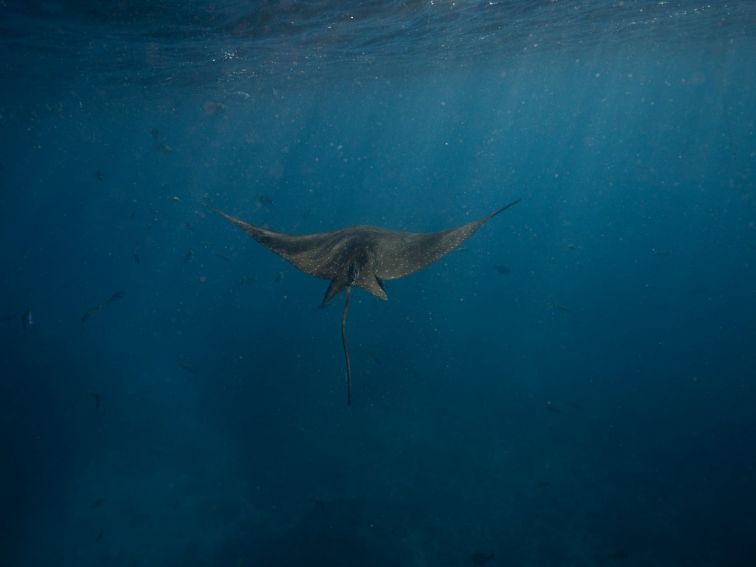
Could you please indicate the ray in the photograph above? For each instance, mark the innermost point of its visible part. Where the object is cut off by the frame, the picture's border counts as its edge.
(363, 256)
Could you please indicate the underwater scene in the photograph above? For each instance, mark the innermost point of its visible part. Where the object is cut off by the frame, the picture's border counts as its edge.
(437, 283)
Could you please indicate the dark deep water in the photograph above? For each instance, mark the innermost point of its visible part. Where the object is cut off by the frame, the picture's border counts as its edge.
(575, 386)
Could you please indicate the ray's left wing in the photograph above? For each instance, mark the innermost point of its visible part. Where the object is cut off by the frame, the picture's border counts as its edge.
(310, 253)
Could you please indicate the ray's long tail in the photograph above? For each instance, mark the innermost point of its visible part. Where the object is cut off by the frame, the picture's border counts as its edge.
(344, 314)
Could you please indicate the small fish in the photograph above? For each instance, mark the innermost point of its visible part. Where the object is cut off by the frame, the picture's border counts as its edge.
(97, 308)
(89, 313)
(263, 200)
(279, 277)
(552, 407)
(135, 255)
(175, 199)
(27, 319)
(155, 134)
(212, 107)
(482, 558)
(132, 215)
(559, 307)
(115, 297)
(248, 280)
(502, 269)
(188, 256)
(100, 533)
(98, 503)
(223, 257)
(184, 365)
(97, 399)
(163, 148)
(99, 175)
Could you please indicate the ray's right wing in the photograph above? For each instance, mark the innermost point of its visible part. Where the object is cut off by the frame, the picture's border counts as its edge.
(402, 253)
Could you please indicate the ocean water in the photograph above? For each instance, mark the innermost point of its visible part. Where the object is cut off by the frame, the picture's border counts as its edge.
(575, 385)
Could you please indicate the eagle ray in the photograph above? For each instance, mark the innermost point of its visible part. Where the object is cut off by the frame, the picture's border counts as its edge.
(362, 256)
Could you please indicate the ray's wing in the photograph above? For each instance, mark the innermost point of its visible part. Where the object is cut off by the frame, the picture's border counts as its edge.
(403, 253)
(310, 253)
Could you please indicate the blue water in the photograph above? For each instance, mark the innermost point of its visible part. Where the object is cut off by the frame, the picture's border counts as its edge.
(575, 386)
